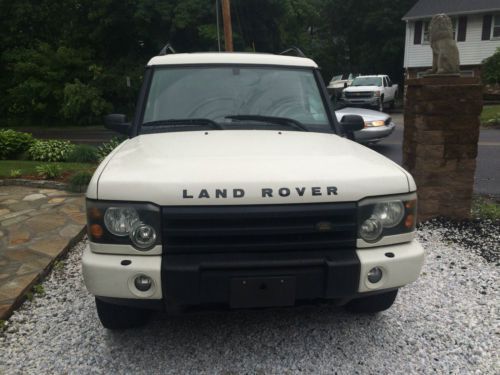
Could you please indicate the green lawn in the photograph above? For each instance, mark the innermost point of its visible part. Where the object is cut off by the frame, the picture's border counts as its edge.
(490, 114)
(27, 168)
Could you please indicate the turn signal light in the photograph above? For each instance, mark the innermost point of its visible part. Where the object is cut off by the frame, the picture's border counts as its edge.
(96, 231)
(410, 221)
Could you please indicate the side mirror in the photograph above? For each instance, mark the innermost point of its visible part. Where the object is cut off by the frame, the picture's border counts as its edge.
(118, 123)
(352, 123)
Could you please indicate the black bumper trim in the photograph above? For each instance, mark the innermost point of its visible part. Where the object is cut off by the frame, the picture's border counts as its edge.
(205, 279)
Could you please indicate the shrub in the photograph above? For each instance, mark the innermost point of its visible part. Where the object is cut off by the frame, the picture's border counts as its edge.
(15, 173)
(107, 147)
(50, 150)
(13, 144)
(83, 154)
(79, 181)
(48, 171)
(491, 68)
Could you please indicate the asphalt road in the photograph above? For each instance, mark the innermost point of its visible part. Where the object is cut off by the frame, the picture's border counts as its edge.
(487, 179)
(487, 170)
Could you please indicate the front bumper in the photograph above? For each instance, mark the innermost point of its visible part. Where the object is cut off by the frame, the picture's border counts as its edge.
(375, 133)
(361, 102)
(185, 280)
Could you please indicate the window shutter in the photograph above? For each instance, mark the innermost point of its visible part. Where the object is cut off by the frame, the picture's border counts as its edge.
(486, 27)
(462, 29)
(417, 37)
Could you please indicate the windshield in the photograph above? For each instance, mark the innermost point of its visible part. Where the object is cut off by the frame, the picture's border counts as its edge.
(214, 93)
(367, 81)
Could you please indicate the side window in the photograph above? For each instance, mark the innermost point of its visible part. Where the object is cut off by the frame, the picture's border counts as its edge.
(389, 82)
(495, 30)
(385, 82)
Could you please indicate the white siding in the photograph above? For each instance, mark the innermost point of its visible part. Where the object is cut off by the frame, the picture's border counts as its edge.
(472, 52)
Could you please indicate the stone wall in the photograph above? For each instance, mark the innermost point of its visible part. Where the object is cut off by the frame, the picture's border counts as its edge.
(440, 142)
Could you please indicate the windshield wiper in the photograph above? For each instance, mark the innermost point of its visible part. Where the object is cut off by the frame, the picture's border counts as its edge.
(272, 119)
(183, 122)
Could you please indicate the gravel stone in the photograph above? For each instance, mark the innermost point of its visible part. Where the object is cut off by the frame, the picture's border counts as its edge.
(445, 322)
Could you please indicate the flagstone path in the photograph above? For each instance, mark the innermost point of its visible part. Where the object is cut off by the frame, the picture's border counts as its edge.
(36, 226)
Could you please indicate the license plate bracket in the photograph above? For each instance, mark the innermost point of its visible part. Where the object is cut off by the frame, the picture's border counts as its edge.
(249, 292)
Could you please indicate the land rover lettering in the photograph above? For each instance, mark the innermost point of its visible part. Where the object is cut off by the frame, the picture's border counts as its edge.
(284, 192)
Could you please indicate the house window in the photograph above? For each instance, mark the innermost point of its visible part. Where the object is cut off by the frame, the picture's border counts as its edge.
(495, 29)
(425, 32)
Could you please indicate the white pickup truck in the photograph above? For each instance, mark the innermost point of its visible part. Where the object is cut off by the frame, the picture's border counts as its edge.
(370, 91)
(238, 189)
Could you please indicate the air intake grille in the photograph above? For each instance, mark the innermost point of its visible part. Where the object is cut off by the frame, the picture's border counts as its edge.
(265, 228)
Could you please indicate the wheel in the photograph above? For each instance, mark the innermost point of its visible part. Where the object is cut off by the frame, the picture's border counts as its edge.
(372, 304)
(381, 104)
(120, 317)
(392, 104)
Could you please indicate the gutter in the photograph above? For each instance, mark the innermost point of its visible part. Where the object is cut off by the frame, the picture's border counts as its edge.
(480, 11)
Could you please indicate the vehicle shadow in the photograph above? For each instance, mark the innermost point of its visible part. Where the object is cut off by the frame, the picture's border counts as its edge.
(252, 339)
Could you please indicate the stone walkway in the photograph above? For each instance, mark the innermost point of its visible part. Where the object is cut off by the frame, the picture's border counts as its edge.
(36, 226)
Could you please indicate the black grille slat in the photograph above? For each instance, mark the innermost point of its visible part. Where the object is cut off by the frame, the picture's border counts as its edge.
(195, 229)
(359, 94)
(260, 230)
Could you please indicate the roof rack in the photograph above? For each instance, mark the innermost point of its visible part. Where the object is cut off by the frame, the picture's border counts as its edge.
(165, 50)
(298, 52)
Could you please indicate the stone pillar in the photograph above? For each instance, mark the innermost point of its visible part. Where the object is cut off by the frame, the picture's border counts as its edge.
(441, 131)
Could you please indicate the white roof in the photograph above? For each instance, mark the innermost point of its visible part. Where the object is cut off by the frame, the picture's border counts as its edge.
(231, 58)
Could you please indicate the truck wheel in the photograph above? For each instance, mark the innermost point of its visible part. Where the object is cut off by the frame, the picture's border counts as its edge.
(381, 104)
(120, 317)
(372, 304)
(392, 104)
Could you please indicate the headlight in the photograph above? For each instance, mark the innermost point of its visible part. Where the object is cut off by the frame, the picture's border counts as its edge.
(120, 220)
(136, 224)
(143, 235)
(376, 93)
(369, 124)
(386, 218)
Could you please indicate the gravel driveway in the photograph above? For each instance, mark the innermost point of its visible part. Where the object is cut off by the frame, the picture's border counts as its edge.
(446, 322)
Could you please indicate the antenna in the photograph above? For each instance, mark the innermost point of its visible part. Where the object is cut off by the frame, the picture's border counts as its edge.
(296, 50)
(165, 50)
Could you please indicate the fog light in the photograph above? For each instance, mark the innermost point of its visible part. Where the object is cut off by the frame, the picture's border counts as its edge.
(374, 275)
(143, 283)
(143, 236)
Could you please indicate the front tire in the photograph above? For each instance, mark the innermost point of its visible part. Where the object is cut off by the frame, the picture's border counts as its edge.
(381, 104)
(372, 304)
(120, 317)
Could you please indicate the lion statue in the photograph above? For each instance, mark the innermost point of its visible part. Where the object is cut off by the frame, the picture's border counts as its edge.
(445, 57)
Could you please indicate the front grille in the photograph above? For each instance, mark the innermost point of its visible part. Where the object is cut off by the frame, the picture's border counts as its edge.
(358, 95)
(266, 228)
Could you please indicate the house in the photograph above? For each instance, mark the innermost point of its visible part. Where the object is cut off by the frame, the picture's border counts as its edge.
(476, 29)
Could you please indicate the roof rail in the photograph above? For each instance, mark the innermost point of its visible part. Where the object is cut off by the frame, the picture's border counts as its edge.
(298, 52)
(165, 50)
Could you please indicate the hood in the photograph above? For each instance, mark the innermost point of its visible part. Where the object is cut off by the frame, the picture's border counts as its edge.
(367, 114)
(362, 88)
(235, 166)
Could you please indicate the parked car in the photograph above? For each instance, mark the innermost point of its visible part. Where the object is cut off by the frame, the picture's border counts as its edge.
(340, 82)
(378, 125)
(370, 91)
(236, 189)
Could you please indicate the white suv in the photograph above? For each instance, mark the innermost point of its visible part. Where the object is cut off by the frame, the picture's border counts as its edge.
(237, 189)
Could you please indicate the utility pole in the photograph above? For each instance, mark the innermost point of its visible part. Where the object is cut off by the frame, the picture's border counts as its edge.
(228, 32)
(217, 18)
